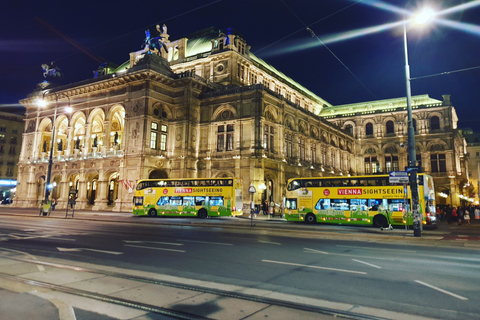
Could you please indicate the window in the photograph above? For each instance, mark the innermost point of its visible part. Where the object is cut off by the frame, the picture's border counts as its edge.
(371, 165)
(153, 135)
(438, 163)
(418, 158)
(332, 159)
(288, 145)
(477, 154)
(278, 90)
(3, 129)
(241, 71)
(349, 128)
(268, 138)
(225, 138)
(163, 137)
(414, 123)
(390, 127)
(369, 129)
(301, 145)
(12, 150)
(434, 123)
(324, 154)
(391, 163)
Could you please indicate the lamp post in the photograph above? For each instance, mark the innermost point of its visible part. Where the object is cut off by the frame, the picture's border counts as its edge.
(52, 140)
(412, 165)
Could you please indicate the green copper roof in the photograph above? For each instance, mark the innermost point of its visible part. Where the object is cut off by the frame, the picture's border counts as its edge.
(377, 106)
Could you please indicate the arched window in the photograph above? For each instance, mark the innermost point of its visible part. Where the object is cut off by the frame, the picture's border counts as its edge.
(390, 127)
(369, 129)
(434, 123)
(349, 128)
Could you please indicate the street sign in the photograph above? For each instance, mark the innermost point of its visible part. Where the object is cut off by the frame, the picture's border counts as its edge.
(398, 177)
(252, 189)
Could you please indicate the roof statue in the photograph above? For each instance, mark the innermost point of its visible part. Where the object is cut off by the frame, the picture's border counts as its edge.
(154, 45)
(51, 70)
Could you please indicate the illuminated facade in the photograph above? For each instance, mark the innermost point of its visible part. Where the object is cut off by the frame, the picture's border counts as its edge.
(206, 108)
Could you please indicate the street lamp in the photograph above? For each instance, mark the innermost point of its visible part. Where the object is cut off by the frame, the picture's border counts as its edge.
(52, 140)
(421, 18)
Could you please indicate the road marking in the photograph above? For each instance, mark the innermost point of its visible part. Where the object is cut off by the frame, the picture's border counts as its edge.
(87, 249)
(270, 242)
(368, 264)
(441, 290)
(206, 242)
(153, 248)
(315, 251)
(314, 267)
(396, 250)
(40, 267)
(346, 255)
(156, 242)
(66, 239)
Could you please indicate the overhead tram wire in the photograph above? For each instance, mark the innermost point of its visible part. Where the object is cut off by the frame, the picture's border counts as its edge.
(302, 29)
(445, 73)
(331, 52)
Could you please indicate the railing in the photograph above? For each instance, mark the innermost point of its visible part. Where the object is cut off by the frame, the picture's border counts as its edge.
(80, 156)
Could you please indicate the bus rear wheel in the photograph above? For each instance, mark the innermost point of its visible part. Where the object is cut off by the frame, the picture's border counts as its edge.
(380, 221)
(202, 213)
(152, 212)
(310, 218)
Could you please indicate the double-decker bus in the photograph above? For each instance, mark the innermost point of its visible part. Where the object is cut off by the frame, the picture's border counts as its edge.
(188, 197)
(363, 200)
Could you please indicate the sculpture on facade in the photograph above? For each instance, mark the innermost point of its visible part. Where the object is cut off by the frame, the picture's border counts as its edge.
(51, 70)
(152, 44)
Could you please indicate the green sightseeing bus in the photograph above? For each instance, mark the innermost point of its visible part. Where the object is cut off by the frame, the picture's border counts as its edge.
(189, 197)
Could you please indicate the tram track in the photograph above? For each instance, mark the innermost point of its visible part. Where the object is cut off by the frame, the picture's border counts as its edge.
(218, 293)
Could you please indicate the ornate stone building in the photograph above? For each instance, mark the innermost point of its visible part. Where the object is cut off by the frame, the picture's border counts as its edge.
(205, 106)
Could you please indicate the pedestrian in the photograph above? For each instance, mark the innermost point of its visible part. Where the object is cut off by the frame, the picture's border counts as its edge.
(54, 203)
(467, 216)
(454, 216)
(477, 213)
(460, 216)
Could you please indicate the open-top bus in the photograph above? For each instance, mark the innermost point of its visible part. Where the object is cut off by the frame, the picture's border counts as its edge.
(189, 197)
(363, 200)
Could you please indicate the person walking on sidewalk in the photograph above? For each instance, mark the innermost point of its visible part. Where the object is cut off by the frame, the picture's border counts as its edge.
(453, 216)
(467, 216)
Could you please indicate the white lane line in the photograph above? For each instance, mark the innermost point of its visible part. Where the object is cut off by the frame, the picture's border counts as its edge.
(156, 242)
(307, 250)
(153, 248)
(441, 290)
(206, 242)
(66, 239)
(270, 242)
(366, 248)
(314, 251)
(368, 264)
(40, 267)
(313, 267)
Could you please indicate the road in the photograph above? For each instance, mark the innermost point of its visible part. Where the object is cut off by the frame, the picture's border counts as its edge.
(353, 270)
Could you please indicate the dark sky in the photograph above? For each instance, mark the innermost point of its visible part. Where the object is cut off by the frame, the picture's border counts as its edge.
(79, 35)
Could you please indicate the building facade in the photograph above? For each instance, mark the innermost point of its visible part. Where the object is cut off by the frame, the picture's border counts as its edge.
(11, 129)
(207, 107)
(471, 189)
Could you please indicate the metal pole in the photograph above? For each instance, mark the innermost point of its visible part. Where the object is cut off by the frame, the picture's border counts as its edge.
(412, 168)
(50, 157)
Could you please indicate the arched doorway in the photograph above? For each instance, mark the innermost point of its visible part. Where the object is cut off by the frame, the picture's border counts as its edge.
(92, 184)
(158, 174)
(112, 188)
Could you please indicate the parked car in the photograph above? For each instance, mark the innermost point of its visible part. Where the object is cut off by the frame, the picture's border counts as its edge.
(6, 201)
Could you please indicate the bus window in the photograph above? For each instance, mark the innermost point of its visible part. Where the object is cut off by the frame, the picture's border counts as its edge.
(395, 204)
(163, 201)
(176, 201)
(373, 204)
(291, 204)
(188, 201)
(323, 204)
(199, 201)
(216, 201)
(340, 204)
(293, 185)
(358, 204)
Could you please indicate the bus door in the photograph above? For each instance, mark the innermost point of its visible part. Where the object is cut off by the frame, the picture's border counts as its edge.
(149, 198)
(304, 202)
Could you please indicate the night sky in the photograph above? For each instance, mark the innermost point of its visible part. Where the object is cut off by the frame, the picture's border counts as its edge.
(79, 36)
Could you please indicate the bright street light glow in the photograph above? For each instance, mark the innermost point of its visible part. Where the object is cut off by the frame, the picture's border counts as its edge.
(424, 16)
(41, 103)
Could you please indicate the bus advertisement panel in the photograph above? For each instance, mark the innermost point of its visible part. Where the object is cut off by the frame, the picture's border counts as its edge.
(189, 197)
(364, 200)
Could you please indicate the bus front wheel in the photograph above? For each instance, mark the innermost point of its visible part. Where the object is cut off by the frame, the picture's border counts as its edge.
(202, 213)
(380, 221)
(310, 218)
(152, 212)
